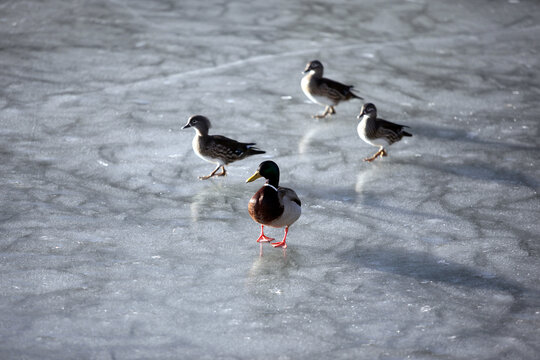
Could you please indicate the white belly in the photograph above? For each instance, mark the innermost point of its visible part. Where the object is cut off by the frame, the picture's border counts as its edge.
(321, 100)
(195, 146)
(317, 99)
(375, 142)
(291, 213)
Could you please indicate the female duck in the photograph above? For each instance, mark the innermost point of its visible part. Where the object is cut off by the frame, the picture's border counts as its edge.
(217, 149)
(324, 91)
(378, 132)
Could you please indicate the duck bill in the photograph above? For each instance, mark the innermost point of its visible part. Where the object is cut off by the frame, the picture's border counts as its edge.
(254, 177)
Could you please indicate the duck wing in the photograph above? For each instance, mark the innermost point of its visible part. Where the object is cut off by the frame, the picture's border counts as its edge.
(228, 149)
(390, 131)
(286, 194)
(336, 90)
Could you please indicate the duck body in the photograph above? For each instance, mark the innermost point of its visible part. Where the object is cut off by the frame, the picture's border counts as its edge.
(275, 208)
(308, 84)
(378, 132)
(221, 150)
(217, 149)
(273, 205)
(324, 91)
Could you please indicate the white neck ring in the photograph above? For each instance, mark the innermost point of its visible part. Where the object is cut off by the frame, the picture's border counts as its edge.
(272, 186)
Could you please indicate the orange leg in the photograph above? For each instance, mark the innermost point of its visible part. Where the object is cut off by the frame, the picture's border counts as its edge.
(381, 153)
(282, 243)
(213, 173)
(264, 238)
(223, 171)
(327, 110)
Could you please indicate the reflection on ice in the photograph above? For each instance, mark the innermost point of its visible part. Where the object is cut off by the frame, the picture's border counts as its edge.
(208, 202)
(274, 263)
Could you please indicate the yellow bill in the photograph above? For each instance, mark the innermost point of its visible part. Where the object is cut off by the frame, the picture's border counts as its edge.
(254, 177)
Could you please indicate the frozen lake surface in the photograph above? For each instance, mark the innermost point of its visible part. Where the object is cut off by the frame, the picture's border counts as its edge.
(111, 248)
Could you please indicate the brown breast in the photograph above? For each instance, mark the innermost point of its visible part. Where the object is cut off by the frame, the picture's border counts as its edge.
(264, 206)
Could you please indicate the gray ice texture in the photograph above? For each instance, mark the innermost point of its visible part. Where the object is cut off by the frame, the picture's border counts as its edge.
(111, 248)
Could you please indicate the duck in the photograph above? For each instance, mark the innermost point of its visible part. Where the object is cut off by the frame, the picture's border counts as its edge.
(378, 132)
(273, 205)
(217, 149)
(323, 91)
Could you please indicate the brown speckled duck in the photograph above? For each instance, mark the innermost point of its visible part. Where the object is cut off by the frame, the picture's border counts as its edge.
(324, 91)
(378, 132)
(217, 149)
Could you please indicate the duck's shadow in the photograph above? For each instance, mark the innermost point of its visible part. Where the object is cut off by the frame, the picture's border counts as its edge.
(476, 170)
(472, 168)
(425, 267)
(461, 135)
(469, 168)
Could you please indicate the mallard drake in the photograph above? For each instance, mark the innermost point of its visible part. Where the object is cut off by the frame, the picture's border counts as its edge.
(324, 91)
(217, 149)
(378, 132)
(273, 205)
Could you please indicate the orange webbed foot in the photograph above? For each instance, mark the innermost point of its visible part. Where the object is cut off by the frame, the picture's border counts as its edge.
(380, 153)
(264, 238)
(281, 244)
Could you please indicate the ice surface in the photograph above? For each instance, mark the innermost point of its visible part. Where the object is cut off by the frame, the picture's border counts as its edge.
(112, 249)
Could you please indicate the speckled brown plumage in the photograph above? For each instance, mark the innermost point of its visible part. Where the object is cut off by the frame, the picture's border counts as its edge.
(324, 91)
(217, 149)
(378, 132)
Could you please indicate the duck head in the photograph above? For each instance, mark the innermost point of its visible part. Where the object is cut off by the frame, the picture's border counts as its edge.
(367, 109)
(268, 170)
(200, 123)
(315, 66)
